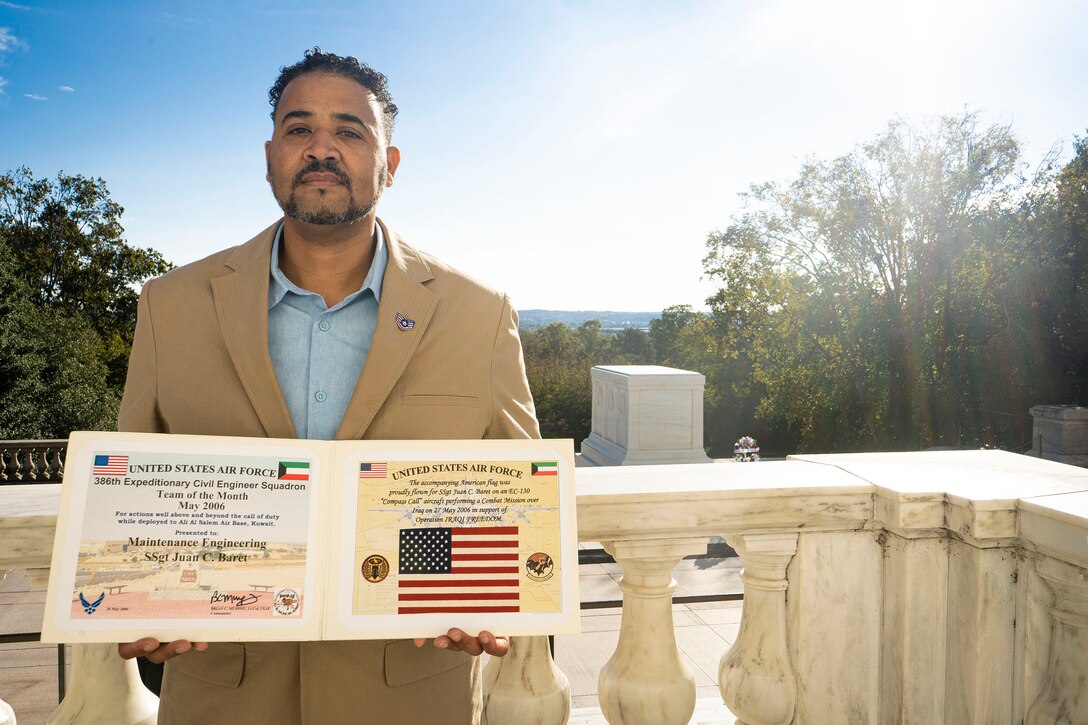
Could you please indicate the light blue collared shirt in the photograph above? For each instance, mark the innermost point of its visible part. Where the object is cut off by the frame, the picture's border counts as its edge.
(319, 352)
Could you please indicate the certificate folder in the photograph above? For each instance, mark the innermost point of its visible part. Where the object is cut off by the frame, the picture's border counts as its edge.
(211, 538)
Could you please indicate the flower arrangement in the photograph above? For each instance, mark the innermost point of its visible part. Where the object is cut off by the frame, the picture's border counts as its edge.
(746, 450)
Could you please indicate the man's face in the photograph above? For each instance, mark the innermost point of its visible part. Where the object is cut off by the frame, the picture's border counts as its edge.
(328, 160)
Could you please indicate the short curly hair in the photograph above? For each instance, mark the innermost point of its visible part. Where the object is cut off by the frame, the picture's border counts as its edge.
(316, 60)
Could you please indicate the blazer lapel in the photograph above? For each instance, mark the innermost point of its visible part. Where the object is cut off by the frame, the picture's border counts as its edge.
(241, 303)
(403, 293)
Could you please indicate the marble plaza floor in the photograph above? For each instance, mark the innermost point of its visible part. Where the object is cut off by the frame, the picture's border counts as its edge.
(704, 630)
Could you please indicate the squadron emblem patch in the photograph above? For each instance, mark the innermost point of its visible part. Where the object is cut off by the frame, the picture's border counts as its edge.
(286, 602)
(375, 568)
(539, 567)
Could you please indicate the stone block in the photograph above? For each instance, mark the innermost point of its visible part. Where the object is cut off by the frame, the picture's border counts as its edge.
(1060, 433)
(645, 414)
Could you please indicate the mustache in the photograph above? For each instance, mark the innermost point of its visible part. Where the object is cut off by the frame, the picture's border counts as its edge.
(326, 166)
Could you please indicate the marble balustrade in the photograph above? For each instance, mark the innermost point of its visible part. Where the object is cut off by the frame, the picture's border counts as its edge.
(942, 587)
(35, 461)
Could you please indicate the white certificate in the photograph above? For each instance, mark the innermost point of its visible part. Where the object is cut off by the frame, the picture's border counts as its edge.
(212, 538)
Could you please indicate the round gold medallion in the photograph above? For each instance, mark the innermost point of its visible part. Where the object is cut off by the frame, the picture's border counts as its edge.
(375, 568)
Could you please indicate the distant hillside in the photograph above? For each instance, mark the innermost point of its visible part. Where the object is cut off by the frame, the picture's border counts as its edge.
(614, 321)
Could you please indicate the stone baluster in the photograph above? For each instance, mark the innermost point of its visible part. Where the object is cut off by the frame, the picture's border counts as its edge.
(525, 686)
(755, 676)
(645, 682)
(103, 688)
(56, 464)
(35, 470)
(19, 457)
(1064, 698)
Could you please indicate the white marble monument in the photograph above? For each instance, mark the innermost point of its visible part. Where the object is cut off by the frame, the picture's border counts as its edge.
(1060, 433)
(645, 414)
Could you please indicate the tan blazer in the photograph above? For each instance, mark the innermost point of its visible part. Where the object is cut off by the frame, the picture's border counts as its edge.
(200, 365)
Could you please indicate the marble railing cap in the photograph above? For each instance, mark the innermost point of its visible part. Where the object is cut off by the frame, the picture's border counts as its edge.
(1072, 507)
(691, 480)
(977, 476)
(1057, 525)
(22, 500)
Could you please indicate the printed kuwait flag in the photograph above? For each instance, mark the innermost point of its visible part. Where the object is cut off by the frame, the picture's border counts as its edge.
(464, 569)
(373, 470)
(110, 466)
(545, 468)
(294, 471)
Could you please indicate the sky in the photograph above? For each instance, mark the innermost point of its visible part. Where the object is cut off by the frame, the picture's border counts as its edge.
(575, 153)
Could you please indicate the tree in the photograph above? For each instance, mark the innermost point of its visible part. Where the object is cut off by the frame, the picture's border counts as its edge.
(557, 367)
(632, 346)
(1053, 282)
(558, 360)
(875, 296)
(65, 239)
(52, 380)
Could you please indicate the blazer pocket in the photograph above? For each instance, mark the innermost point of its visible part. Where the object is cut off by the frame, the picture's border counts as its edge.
(405, 663)
(457, 401)
(221, 664)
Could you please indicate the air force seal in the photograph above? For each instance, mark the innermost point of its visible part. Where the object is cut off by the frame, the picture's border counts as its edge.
(90, 607)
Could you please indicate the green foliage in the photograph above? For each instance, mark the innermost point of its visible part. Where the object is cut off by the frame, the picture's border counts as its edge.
(919, 291)
(557, 365)
(68, 304)
(52, 380)
(558, 361)
(65, 237)
(923, 290)
(1063, 274)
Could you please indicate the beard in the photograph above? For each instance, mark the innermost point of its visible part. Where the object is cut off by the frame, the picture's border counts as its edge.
(328, 213)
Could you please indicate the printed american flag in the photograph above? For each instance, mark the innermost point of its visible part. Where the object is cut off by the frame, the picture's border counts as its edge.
(110, 466)
(467, 569)
(373, 470)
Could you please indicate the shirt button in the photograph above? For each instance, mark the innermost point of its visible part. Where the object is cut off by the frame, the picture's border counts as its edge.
(324, 325)
(320, 396)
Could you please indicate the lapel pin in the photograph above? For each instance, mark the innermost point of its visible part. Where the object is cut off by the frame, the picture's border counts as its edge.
(404, 323)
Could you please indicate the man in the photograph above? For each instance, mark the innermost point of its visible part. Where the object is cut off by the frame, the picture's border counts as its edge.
(325, 325)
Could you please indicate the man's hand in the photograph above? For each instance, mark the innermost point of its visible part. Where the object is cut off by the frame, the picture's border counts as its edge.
(150, 648)
(457, 640)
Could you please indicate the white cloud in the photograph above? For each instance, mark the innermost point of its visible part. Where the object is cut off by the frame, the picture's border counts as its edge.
(8, 41)
(36, 97)
(66, 89)
(13, 6)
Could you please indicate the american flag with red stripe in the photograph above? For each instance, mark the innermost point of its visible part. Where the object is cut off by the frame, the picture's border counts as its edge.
(110, 466)
(373, 470)
(464, 569)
